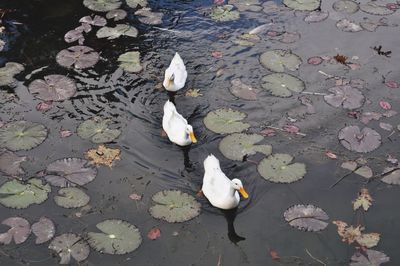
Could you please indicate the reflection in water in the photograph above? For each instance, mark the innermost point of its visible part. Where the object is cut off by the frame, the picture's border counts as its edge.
(186, 159)
(230, 216)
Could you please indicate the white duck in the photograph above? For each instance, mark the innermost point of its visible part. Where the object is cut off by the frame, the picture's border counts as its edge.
(177, 128)
(218, 188)
(175, 75)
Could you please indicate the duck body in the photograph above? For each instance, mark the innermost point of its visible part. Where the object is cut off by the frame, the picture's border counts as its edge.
(175, 75)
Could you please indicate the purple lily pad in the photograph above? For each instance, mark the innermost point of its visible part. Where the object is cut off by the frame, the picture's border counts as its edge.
(78, 56)
(74, 35)
(348, 26)
(366, 117)
(369, 258)
(354, 139)
(84, 27)
(117, 14)
(10, 163)
(70, 245)
(70, 172)
(44, 230)
(345, 96)
(96, 21)
(316, 16)
(19, 231)
(53, 88)
(306, 217)
(146, 16)
(315, 60)
(243, 91)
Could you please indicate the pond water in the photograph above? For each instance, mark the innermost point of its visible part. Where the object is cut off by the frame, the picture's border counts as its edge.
(34, 34)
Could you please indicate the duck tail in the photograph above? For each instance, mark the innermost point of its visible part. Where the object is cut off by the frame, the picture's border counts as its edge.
(169, 107)
(211, 162)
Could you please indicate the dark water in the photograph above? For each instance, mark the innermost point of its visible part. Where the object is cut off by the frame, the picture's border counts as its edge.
(150, 163)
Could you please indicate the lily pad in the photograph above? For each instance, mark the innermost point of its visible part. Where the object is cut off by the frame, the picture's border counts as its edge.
(225, 121)
(10, 163)
(277, 168)
(130, 62)
(95, 21)
(19, 231)
(306, 217)
(280, 60)
(53, 88)
(97, 130)
(117, 14)
(22, 135)
(345, 6)
(44, 230)
(246, 5)
(375, 8)
(316, 16)
(117, 237)
(303, 5)
(8, 72)
(102, 5)
(136, 3)
(354, 139)
(345, 96)
(70, 245)
(74, 35)
(71, 197)
(116, 32)
(78, 56)
(243, 91)
(369, 258)
(392, 178)
(70, 172)
(348, 25)
(146, 16)
(282, 84)
(174, 206)
(238, 145)
(224, 13)
(18, 195)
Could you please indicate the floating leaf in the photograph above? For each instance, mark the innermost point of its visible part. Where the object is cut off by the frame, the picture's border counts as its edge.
(303, 5)
(44, 230)
(368, 240)
(346, 6)
(316, 16)
(193, 93)
(345, 96)
(10, 163)
(315, 60)
(282, 84)
(289, 37)
(71, 197)
(154, 233)
(391, 176)
(53, 88)
(130, 62)
(103, 156)
(331, 155)
(146, 16)
(280, 60)
(135, 196)
(70, 172)
(65, 133)
(385, 105)
(369, 257)
(18, 195)
(117, 237)
(306, 217)
(386, 126)
(242, 91)
(70, 245)
(238, 145)
(116, 15)
(97, 130)
(225, 121)
(102, 5)
(19, 231)
(78, 56)
(8, 72)
(348, 26)
(95, 21)
(364, 200)
(341, 59)
(375, 8)
(246, 5)
(44, 106)
(277, 168)
(354, 139)
(351, 234)
(224, 13)
(174, 206)
(366, 117)
(136, 3)
(22, 135)
(116, 32)
(74, 35)
(349, 165)
(364, 171)
(392, 84)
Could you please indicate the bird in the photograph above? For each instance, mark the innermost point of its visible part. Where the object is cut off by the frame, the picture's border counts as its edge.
(175, 75)
(176, 126)
(220, 191)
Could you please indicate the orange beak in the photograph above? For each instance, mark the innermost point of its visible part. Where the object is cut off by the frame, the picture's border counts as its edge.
(192, 137)
(243, 193)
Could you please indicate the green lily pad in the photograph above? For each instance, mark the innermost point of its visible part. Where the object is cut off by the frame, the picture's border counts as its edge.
(238, 145)
(71, 197)
(346, 6)
(374, 8)
(280, 60)
(277, 168)
(302, 5)
(225, 121)
(130, 62)
(282, 84)
(102, 5)
(117, 237)
(136, 3)
(97, 130)
(18, 195)
(116, 32)
(174, 206)
(22, 135)
(246, 5)
(8, 72)
(224, 13)
(70, 245)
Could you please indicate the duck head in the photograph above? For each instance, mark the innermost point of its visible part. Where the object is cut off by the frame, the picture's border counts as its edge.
(189, 131)
(237, 185)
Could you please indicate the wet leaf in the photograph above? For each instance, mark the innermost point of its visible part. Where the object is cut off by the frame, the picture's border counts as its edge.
(303, 5)
(44, 106)
(386, 126)
(368, 240)
(316, 16)
(340, 59)
(19, 231)
(306, 217)
(193, 93)
(280, 60)
(291, 129)
(385, 105)
(268, 132)
(349, 165)
(282, 84)
(277, 168)
(130, 62)
(243, 91)
(351, 234)
(8, 72)
(97, 130)
(348, 25)
(315, 60)
(345, 96)
(95, 21)
(18, 195)
(246, 5)
(102, 5)
(70, 245)
(84, 27)
(225, 121)
(224, 13)
(392, 178)
(80, 57)
(217, 54)
(375, 8)
(331, 155)
(53, 88)
(65, 133)
(369, 258)
(135, 196)
(392, 84)
(44, 230)
(116, 32)
(237, 146)
(117, 14)
(136, 3)
(149, 17)
(71, 197)
(364, 171)
(74, 35)
(103, 156)
(366, 117)
(70, 172)
(10, 163)
(154, 233)
(117, 237)
(346, 6)
(174, 206)
(22, 135)
(363, 200)
(354, 139)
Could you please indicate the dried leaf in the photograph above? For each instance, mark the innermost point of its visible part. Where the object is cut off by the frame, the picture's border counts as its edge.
(331, 155)
(103, 155)
(135, 196)
(351, 234)
(193, 93)
(154, 233)
(341, 58)
(364, 200)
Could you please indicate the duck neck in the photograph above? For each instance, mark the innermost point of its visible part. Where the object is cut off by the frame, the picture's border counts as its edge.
(232, 191)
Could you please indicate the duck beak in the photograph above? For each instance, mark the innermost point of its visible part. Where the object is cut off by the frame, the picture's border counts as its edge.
(192, 137)
(243, 193)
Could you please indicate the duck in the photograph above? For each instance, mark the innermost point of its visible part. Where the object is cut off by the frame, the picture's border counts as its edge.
(220, 191)
(175, 75)
(176, 126)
